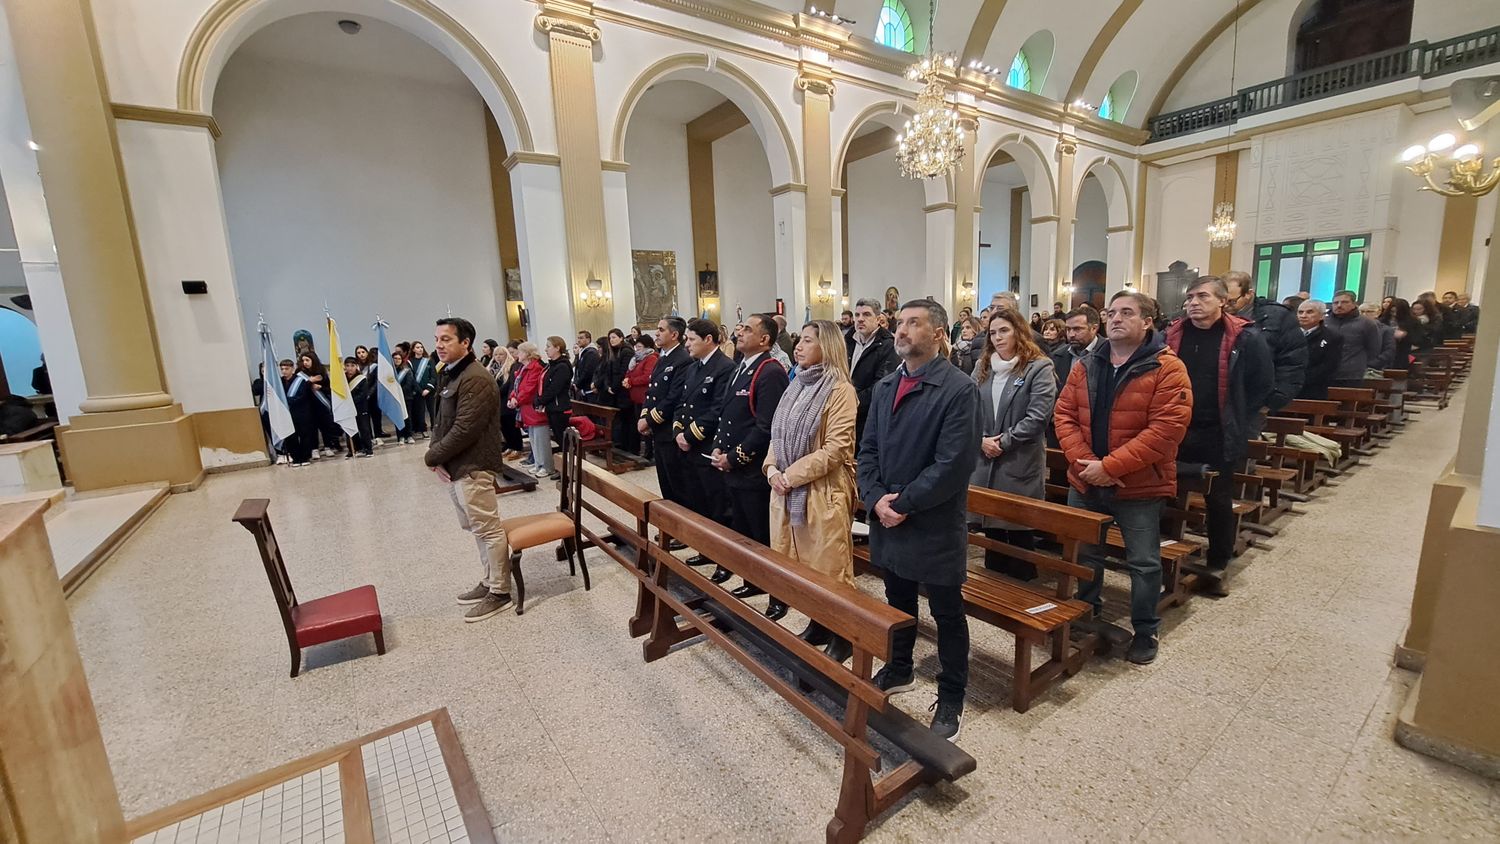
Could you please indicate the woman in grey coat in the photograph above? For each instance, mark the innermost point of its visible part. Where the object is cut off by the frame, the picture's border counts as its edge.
(1017, 388)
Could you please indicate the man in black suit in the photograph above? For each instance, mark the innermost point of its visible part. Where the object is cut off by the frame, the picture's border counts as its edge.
(696, 419)
(872, 356)
(663, 395)
(743, 438)
(1325, 349)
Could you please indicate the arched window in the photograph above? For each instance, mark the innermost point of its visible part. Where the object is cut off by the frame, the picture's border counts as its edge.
(1116, 101)
(1107, 106)
(1020, 72)
(893, 29)
(20, 349)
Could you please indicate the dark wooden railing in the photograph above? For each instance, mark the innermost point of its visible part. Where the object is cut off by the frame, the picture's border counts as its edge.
(1420, 59)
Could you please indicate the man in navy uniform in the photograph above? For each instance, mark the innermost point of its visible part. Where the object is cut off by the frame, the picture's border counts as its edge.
(663, 395)
(743, 438)
(697, 418)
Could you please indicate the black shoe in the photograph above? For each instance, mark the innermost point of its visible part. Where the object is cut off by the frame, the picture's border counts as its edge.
(776, 610)
(674, 545)
(946, 717)
(749, 590)
(699, 560)
(1142, 649)
(839, 649)
(1213, 584)
(720, 574)
(889, 683)
(815, 634)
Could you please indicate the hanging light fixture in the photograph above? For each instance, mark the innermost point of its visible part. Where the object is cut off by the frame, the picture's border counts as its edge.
(932, 143)
(1221, 230)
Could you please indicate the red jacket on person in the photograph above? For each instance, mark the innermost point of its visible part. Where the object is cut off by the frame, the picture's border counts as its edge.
(528, 387)
(1153, 404)
(640, 377)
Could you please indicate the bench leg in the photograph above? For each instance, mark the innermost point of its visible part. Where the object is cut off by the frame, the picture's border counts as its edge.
(645, 610)
(296, 660)
(1020, 695)
(857, 793)
(380, 642)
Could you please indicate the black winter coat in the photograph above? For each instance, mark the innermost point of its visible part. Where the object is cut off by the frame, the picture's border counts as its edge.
(878, 361)
(1278, 325)
(554, 395)
(925, 451)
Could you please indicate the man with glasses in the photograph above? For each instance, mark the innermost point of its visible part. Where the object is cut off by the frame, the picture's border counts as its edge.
(1120, 417)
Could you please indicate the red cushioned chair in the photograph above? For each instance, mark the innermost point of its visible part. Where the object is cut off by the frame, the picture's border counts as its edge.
(353, 612)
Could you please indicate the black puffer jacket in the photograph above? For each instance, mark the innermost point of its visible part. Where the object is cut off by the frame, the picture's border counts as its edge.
(1278, 327)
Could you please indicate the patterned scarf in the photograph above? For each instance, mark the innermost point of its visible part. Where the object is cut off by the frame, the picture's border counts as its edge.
(795, 424)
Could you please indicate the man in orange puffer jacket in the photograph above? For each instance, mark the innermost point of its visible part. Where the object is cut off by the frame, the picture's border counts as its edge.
(1119, 419)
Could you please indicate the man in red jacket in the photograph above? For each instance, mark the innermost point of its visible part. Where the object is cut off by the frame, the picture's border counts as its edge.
(1119, 419)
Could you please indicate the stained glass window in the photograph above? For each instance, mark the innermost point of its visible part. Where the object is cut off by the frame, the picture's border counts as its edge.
(1107, 106)
(1318, 267)
(893, 29)
(1020, 72)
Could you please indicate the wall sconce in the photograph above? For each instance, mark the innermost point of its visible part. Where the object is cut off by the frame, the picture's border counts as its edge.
(596, 295)
(1465, 165)
(825, 291)
(966, 290)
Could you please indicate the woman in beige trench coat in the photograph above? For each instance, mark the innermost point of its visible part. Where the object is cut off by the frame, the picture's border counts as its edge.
(810, 465)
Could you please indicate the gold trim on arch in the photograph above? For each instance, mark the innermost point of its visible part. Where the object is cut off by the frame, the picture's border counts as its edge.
(222, 15)
(1106, 36)
(1241, 7)
(892, 107)
(614, 166)
(524, 157)
(982, 30)
(788, 188)
(167, 116)
(701, 61)
(1024, 140)
(1120, 174)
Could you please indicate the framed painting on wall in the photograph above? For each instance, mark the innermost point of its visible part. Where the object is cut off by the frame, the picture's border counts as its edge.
(655, 274)
(513, 285)
(892, 299)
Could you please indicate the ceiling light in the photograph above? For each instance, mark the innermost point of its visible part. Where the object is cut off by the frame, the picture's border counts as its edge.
(1465, 152)
(350, 27)
(34, 146)
(1413, 152)
(1441, 142)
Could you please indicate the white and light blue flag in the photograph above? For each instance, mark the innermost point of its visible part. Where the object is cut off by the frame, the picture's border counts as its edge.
(273, 401)
(392, 401)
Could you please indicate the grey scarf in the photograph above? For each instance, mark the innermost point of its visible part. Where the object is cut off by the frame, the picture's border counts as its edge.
(795, 424)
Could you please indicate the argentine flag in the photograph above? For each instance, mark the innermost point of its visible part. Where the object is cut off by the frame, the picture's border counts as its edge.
(338, 386)
(273, 395)
(392, 401)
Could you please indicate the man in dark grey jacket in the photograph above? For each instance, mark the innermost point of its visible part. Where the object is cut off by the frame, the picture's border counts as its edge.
(915, 458)
(466, 453)
(1361, 337)
(1278, 326)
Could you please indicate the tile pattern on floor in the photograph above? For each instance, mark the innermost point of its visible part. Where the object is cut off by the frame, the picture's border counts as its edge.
(306, 809)
(1267, 716)
(411, 793)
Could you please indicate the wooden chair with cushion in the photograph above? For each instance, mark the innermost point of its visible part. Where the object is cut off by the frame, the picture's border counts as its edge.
(353, 612)
(561, 525)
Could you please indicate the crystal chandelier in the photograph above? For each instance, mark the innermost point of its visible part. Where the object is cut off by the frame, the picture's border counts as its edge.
(1221, 233)
(932, 143)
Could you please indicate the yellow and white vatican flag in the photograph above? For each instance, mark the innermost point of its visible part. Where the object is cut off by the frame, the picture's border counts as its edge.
(338, 386)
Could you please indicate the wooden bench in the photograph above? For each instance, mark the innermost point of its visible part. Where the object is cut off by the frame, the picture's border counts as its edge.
(1272, 476)
(1318, 416)
(767, 650)
(42, 430)
(511, 479)
(615, 461)
(1036, 618)
(1396, 397)
(1359, 407)
(1303, 461)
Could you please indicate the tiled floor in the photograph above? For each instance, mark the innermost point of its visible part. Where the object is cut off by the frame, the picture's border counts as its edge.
(1267, 717)
(411, 794)
(306, 808)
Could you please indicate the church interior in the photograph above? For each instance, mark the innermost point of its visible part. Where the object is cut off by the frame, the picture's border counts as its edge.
(200, 196)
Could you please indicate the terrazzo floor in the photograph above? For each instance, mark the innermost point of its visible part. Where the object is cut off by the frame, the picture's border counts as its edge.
(1267, 717)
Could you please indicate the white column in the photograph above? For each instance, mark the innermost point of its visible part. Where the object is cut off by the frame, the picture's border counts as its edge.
(940, 258)
(838, 250)
(536, 191)
(1489, 479)
(1118, 252)
(183, 236)
(789, 209)
(28, 211)
(617, 237)
(1037, 280)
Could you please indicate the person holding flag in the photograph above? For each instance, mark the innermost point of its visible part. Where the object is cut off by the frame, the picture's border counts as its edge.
(340, 401)
(273, 404)
(389, 395)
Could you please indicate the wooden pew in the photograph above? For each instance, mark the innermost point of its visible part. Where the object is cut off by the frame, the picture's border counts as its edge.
(1358, 406)
(767, 649)
(1301, 460)
(1325, 418)
(1036, 618)
(615, 461)
(1273, 477)
(600, 487)
(1431, 380)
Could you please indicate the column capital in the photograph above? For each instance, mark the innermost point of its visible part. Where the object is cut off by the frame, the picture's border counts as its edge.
(568, 17)
(1067, 145)
(814, 84)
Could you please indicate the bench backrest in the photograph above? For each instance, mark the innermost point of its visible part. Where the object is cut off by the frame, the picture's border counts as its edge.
(1071, 526)
(633, 499)
(1317, 412)
(867, 622)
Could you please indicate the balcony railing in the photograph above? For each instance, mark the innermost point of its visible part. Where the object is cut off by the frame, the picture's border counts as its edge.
(1419, 59)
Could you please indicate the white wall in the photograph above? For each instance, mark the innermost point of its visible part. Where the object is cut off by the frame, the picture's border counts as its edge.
(1090, 241)
(1179, 206)
(370, 192)
(887, 230)
(660, 217)
(994, 229)
(743, 223)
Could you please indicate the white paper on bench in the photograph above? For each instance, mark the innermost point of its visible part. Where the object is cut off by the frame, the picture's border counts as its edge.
(1041, 608)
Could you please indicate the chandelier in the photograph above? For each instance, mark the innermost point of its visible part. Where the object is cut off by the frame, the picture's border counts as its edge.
(1221, 233)
(932, 142)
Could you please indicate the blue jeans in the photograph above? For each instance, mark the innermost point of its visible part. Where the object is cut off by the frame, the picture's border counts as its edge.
(1139, 521)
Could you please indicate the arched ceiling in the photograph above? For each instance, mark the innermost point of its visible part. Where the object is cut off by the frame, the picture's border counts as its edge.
(1096, 40)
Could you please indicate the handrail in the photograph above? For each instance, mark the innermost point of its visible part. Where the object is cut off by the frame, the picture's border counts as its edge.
(1417, 59)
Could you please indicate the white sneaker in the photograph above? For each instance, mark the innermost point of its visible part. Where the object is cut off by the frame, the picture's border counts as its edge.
(539, 472)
